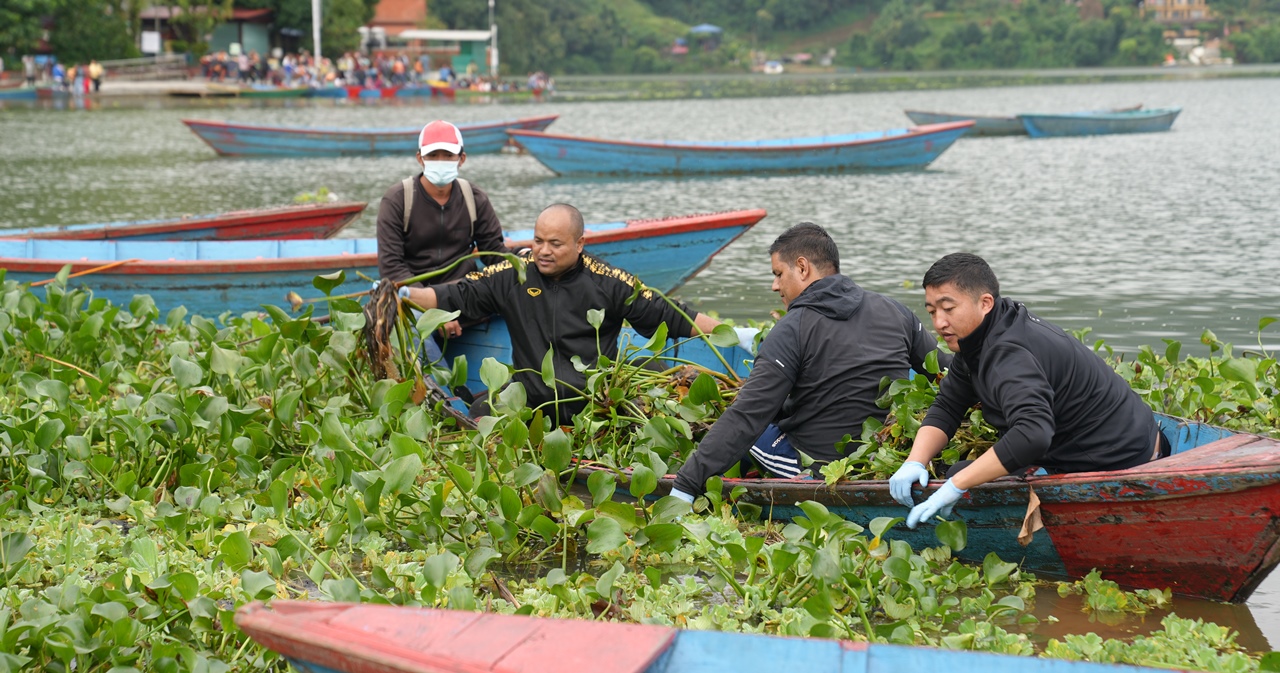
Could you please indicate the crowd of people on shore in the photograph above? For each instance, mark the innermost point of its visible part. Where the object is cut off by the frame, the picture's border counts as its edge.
(376, 71)
(77, 79)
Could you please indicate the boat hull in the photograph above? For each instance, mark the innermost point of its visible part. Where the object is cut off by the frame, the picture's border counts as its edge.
(291, 222)
(889, 150)
(210, 277)
(1099, 123)
(284, 141)
(982, 126)
(349, 638)
(1204, 522)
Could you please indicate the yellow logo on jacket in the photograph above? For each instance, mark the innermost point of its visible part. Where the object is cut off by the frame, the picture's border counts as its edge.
(534, 291)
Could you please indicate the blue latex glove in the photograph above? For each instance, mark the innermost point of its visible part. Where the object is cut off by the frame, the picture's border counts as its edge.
(747, 337)
(402, 292)
(940, 503)
(682, 495)
(901, 481)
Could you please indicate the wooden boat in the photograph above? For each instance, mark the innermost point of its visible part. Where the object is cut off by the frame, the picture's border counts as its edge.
(877, 150)
(210, 277)
(983, 126)
(349, 638)
(18, 94)
(1099, 123)
(1204, 522)
(252, 140)
(988, 126)
(290, 222)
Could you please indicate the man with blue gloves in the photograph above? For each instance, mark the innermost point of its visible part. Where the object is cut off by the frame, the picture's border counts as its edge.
(1055, 403)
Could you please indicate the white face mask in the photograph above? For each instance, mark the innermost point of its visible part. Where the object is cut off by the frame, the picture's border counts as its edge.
(440, 173)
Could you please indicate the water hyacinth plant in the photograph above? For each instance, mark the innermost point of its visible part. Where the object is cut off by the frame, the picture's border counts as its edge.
(158, 471)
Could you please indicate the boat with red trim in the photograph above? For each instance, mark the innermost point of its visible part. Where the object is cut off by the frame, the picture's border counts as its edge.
(319, 220)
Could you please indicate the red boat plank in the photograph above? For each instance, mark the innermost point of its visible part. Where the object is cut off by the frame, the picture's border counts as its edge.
(381, 639)
(1208, 546)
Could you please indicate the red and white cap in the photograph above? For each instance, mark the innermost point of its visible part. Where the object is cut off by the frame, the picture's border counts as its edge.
(440, 135)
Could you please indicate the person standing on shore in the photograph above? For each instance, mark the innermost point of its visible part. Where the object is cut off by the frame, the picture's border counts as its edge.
(95, 74)
(29, 69)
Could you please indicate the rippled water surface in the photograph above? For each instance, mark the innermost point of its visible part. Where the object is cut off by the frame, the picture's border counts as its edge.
(1140, 237)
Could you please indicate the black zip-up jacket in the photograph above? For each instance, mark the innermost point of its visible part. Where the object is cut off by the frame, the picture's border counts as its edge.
(544, 312)
(825, 358)
(438, 235)
(1055, 403)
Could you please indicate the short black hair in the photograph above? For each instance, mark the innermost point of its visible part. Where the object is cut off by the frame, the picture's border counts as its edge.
(967, 271)
(810, 241)
(575, 217)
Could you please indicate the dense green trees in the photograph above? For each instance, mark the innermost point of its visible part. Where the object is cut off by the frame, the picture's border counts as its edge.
(91, 29)
(981, 34)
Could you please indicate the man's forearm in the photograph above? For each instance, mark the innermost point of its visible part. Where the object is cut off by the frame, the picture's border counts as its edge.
(703, 324)
(929, 441)
(423, 296)
(980, 471)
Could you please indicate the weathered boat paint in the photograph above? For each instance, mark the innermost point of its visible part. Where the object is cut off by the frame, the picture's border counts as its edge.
(230, 139)
(878, 150)
(210, 277)
(310, 221)
(1204, 522)
(1099, 123)
(348, 638)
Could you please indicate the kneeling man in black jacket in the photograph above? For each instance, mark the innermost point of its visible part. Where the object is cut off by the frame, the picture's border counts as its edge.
(824, 359)
(1055, 403)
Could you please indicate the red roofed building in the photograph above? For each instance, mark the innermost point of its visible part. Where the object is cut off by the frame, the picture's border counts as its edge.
(397, 16)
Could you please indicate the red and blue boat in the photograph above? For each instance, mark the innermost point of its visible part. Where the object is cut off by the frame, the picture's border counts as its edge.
(231, 140)
(895, 149)
(350, 638)
(1204, 522)
(210, 277)
(308, 221)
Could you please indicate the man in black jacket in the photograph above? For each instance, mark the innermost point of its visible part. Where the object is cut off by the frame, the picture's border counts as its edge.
(825, 359)
(1055, 403)
(549, 310)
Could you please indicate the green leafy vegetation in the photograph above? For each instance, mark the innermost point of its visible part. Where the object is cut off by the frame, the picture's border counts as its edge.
(159, 470)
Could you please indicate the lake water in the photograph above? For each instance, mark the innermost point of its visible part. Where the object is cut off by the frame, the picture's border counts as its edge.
(1140, 237)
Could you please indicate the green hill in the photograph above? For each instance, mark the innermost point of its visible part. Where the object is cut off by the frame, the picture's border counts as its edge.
(636, 36)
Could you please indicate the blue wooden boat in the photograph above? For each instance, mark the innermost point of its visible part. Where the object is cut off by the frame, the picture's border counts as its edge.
(17, 94)
(1099, 123)
(877, 150)
(210, 277)
(318, 220)
(1204, 522)
(988, 126)
(350, 638)
(230, 139)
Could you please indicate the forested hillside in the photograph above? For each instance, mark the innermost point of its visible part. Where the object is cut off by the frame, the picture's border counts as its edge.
(635, 36)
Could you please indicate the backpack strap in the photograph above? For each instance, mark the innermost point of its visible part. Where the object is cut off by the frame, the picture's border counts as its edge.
(408, 201)
(469, 196)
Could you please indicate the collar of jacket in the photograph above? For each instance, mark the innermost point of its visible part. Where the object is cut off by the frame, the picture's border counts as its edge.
(565, 277)
(971, 346)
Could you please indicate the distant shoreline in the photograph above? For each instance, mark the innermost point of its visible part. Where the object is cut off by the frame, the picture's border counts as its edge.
(735, 85)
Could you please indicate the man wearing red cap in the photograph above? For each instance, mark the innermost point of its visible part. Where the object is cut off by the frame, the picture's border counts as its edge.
(428, 221)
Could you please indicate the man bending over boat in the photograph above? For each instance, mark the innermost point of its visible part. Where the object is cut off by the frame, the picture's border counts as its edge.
(1055, 403)
(549, 310)
(428, 221)
(817, 375)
